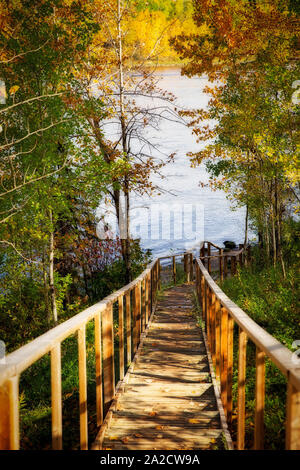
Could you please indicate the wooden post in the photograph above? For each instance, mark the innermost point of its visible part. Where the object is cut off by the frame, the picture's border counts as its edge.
(121, 336)
(259, 400)
(134, 318)
(188, 269)
(213, 328)
(208, 318)
(128, 327)
(292, 418)
(108, 355)
(159, 274)
(185, 265)
(174, 269)
(221, 251)
(241, 390)
(208, 259)
(224, 358)
(139, 312)
(229, 368)
(217, 336)
(147, 300)
(9, 414)
(82, 389)
(191, 268)
(98, 357)
(56, 398)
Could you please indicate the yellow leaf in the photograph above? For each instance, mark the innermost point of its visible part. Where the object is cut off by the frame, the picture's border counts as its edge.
(193, 421)
(13, 89)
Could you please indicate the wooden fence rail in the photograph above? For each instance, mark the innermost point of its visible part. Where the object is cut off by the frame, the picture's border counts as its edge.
(135, 303)
(220, 315)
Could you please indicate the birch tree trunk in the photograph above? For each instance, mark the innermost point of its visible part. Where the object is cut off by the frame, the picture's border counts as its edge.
(51, 270)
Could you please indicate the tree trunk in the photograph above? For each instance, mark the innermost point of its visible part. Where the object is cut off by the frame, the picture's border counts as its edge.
(126, 243)
(51, 271)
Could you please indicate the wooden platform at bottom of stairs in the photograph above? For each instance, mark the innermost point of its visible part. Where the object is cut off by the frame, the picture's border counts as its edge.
(168, 399)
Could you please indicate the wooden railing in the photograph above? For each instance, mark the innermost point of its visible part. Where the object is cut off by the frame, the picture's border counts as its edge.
(220, 315)
(135, 302)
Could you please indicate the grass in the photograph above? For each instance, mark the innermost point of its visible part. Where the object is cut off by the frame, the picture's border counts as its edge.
(272, 302)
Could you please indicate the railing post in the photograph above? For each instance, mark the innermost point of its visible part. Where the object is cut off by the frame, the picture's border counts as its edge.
(82, 389)
(208, 259)
(213, 327)
(128, 327)
(159, 274)
(98, 357)
(139, 310)
(134, 318)
(221, 251)
(9, 414)
(224, 358)
(259, 400)
(148, 298)
(187, 268)
(121, 336)
(241, 390)
(229, 368)
(217, 336)
(56, 398)
(108, 355)
(292, 417)
(191, 268)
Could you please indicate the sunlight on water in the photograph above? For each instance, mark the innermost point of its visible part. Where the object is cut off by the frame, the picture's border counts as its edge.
(181, 182)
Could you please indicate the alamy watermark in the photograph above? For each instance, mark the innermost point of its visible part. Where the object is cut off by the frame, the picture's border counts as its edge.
(156, 222)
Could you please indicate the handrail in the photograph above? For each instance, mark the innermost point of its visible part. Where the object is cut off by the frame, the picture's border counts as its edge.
(220, 314)
(136, 302)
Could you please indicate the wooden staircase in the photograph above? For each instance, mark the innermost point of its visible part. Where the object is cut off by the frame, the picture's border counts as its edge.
(167, 400)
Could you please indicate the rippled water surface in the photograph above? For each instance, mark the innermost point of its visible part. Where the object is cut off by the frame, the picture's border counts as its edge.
(220, 223)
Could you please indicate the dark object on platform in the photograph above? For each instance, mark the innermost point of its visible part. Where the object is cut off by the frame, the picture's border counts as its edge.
(229, 245)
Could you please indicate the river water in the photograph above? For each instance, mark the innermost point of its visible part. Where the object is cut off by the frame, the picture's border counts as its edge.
(185, 212)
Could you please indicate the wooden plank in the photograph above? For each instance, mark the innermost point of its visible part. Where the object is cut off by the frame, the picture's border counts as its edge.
(121, 337)
(108, 355)
(98, 360)
(241, 390)
(82, 389)
(56, 397)
(292, 418)
(128, 327)
(9, 414)
(259, 400)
